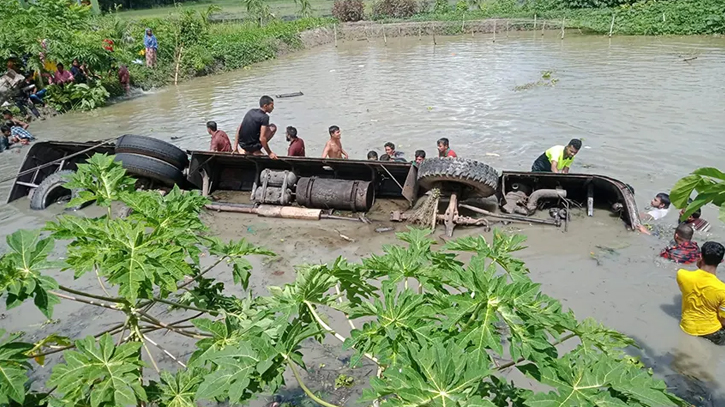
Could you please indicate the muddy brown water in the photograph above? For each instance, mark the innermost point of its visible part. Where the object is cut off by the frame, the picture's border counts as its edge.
(646, 116)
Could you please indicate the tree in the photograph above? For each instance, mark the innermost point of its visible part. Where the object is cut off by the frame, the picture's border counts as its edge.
(708, 183)
(440, 330)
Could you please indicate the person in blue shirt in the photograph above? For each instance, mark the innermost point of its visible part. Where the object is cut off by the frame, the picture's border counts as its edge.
(152, 46)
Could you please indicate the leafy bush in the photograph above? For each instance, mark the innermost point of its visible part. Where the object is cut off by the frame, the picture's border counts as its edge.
(77, 96)
(595, 3)
(348, 10)
(394, 8)
(442, 331)
(441, 7)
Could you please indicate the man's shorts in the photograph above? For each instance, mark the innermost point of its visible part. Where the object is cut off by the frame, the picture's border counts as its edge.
(251, 148)
(718, 338)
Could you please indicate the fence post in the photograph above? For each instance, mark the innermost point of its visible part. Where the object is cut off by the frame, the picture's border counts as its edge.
(611, 27)
(563, 21)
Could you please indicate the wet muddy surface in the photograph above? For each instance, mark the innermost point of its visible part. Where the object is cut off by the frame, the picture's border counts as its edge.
(646, 116)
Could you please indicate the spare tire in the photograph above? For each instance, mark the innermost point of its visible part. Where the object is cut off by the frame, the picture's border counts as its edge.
(477, 178)
(148, 167)
(52, 189)
(152, 147)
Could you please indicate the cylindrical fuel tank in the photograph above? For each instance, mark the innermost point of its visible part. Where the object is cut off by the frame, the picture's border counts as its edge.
(325, 193)
(276, 178)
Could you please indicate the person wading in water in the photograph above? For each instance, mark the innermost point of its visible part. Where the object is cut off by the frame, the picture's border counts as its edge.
(254, 132)
(558, 158)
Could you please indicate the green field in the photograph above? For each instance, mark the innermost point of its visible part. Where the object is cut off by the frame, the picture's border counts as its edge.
(232, 9)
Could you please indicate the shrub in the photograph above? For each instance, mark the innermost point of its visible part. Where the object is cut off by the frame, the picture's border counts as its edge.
(349, 10)
(441, 7)
(394, 8)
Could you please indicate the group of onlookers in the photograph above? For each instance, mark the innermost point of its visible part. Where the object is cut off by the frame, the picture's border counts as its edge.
(255, 132)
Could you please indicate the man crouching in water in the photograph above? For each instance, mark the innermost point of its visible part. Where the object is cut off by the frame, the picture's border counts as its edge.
(255, 132)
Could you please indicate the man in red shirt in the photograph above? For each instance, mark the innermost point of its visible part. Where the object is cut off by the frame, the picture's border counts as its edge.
(219, 139)
(296, 144)
(444, 149)
(684, 251)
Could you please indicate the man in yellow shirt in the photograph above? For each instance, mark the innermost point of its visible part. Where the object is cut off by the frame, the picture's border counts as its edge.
(557, 158)
(703, 296)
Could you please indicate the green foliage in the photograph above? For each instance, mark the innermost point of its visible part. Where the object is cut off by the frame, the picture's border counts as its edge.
(344, 381)
(21, 272)
(442, 330)
(394, 8)
(13, 365)
(77, 96)
(708, 183)
(102, 372)
(348, 10)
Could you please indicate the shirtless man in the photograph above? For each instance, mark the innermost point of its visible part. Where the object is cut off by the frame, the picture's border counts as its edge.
(333, 148)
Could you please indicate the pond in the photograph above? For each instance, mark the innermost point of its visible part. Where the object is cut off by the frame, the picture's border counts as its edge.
(648, 112)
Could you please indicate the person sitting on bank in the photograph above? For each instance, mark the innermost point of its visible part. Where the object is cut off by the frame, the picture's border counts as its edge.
(372, 155)
(419, 157)
(8, 117)
(659, 207)
(254, 133)
(684, 251)
(17, 135)
(61, 76)
(703, 296)
(557, 159)
(444, 148)
(695, 220)
(219, 139)
(394, 155)
(296, 145)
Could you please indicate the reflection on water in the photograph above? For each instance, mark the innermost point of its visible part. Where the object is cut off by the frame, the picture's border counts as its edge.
(646, 117)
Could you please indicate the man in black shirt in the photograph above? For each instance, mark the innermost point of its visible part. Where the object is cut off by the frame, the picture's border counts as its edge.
(254, 132)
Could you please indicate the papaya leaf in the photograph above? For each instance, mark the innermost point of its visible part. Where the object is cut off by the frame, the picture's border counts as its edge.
(101, 178)
(13, 368)
(710, 172)
(21, 268)
(178, 390)
(100, 372)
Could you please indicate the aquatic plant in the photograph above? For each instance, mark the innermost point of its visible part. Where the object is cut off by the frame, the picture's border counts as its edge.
(709, 185)
(440, 330)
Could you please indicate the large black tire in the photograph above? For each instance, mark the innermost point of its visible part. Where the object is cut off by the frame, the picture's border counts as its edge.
(51, 190)
(148, 167)
(478, 179)
(152, 147)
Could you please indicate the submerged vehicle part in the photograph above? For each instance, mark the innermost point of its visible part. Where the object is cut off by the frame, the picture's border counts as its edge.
(474, 177)
(355, 196)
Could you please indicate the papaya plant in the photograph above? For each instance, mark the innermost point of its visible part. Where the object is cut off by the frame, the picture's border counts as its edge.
(440, 330)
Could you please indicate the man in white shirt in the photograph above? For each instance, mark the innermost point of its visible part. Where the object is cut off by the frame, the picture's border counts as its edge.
(660, 206)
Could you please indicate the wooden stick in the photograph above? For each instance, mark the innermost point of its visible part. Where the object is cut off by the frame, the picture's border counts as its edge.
(563, 21)
(611, 27)
(534, 22)
(543, 28)
(334, 29)
(494, 30)
(385, 39)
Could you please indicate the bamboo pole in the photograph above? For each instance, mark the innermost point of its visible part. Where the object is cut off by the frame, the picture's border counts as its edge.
(334, 28)
(563, 21)
(534, 22)
(420, 31)
(385, 39)
(611, 27)
(507, 28)
(494, 30)
(543, 28)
